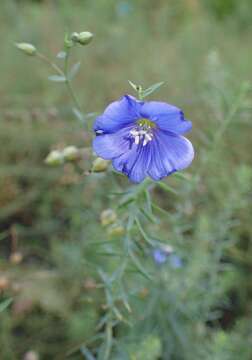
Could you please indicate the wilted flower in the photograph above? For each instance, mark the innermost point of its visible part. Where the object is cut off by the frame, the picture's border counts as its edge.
(26, 48)
(143, 138)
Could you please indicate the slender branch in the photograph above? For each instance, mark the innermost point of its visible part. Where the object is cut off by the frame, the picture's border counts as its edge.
(64, 74)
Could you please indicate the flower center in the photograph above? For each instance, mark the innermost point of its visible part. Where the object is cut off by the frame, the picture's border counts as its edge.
(142, 132)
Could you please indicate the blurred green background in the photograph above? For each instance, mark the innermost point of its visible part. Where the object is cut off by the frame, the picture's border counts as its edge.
(202, 50)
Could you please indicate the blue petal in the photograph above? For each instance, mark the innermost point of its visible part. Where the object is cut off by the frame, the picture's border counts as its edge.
(110, 146)
(166, 116)
(169, 153)
(159, 256)
(117, 115)
(134, 163)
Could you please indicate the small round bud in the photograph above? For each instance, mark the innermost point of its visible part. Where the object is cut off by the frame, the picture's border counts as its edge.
(108, 217)
(75, 36)
(26, 48)
(116, 230)
(71, 153)
(16, 258)
(4, 283)
(100, 165)
(31, 355)
(54, 158)
(83, 38)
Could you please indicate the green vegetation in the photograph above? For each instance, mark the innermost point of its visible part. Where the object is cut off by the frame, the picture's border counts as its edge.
(51, 301)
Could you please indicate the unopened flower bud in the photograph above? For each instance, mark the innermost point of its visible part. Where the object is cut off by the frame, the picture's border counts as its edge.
(26, 48)
(54, 158)
(4, 283)
(82, 38)
(71, 153)
(108, 217)
(100, 165)
(31, 355)
(116, 230)
(16, 258)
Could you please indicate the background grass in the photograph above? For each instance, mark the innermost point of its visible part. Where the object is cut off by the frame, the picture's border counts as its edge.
(202, 50)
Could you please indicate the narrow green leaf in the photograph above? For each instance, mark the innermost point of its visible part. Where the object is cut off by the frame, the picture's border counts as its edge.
(74, 70)
(61, 55)
(167, 188)
(182, 176)
(134, 86)
(78, 115)
(143, 233)
(151, 89)
(148, 216)
(158, 208)
(4, 304)
(88, 355)
(57, 78)
(139, 266)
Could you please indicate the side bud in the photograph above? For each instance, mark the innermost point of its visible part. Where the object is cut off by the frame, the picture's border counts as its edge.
(71, 153)
(108, 217)
(54, 158)
(83, 38)
(116, 230)
(27, 49)
(100, 165)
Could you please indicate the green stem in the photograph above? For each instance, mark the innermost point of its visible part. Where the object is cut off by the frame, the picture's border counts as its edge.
(69, 85)
(108, 347)
(64, 74)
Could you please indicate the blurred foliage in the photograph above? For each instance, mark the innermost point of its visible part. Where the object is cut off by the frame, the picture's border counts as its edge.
(50, 217)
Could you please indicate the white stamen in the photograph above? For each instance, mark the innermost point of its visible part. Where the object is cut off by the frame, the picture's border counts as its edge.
(149, 136)
(145, 142)
(137, 139)
(142, 133)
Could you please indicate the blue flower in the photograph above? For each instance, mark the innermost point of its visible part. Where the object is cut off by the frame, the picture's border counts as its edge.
(159, 256)
(143, 138)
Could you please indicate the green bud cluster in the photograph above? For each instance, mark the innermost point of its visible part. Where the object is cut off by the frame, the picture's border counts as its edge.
(58, 157)
(82, 38)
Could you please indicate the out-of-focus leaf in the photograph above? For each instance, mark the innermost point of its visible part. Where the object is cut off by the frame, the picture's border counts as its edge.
(88, 355)
(57, 78)
(4, 304)
(166, 188)
(151, 89)
(74, 70)
(61, 55)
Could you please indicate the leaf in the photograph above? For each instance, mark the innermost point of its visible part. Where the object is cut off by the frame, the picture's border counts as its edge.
(74, 70)
(61, 55)
(134, 86)
(167, 188)
(5, 304)
(151, 89)
(79, 115)
(139, 266)
(144, 235)
(183, 176)
(149, 216)
(57, 78)
(88, 355)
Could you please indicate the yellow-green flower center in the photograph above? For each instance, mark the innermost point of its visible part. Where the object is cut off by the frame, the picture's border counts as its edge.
(146, 123)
